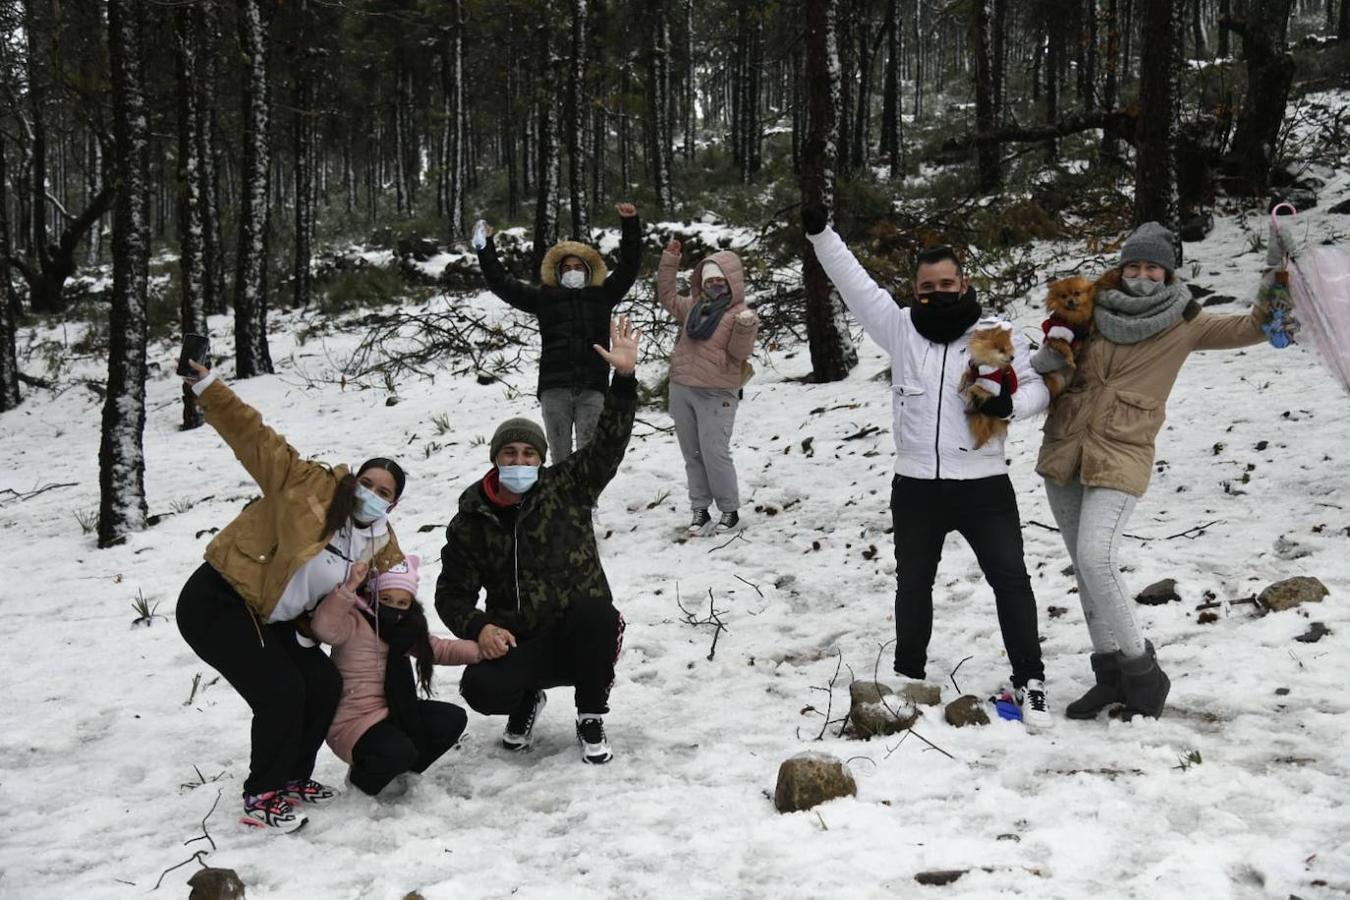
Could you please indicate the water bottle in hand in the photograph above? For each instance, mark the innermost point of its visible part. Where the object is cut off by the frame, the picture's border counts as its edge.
(479, 239)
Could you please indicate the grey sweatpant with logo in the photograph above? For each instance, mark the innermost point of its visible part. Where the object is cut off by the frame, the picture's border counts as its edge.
(704, 418)
(563, 408)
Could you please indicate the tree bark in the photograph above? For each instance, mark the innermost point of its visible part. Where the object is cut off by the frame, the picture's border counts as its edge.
(546, 202)
(576, 125)
(252, 356)
(832, 351)
(891, 126)
(122, 506)
(1270, 74)
(192, 277)
(987, 154)
(1111, 86)
(9, 305)
(1161, 38)
(659, 92)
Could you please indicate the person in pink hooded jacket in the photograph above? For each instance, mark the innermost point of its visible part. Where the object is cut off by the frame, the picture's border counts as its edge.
(381, 728)
(707, 368)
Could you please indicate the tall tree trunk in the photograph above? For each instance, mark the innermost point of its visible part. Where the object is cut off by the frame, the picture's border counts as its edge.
(252, 356)
(1089, 38)
(689, 88)
(9, 303)
(1198, 28)
(1161, 39)
(546, 202)
(844, 47)
(1270, 74)
(210, 157)
(576, 124)
(1343, 28)
(917, 52)
(832, 351)
(456, 133)
(999, 27)
(659, 91)
(1111, 86)
(987, 153)
(121, 477)
(192, 278)
(891, 126)
(1054, 63)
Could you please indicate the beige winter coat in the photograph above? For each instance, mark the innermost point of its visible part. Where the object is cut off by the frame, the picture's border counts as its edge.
(1104, 425)
(717, 361)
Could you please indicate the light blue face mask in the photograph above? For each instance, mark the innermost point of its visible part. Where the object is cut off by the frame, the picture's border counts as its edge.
(370, 506)
(517, 479)
(1142, 287)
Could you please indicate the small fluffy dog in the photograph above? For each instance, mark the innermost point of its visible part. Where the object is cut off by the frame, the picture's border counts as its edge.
(1069, 302)
(989, 373)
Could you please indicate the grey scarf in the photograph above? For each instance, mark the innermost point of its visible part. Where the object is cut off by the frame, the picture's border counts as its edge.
(1126, 319)
(705, 316)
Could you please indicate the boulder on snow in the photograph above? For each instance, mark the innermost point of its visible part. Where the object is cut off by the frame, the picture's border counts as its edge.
(966, 710)
(215, 884)
(922, 693)
(1197, 227)
(1342, 208)
(874, 708)
(1292, 592)
(809, 779)
(1158, 593)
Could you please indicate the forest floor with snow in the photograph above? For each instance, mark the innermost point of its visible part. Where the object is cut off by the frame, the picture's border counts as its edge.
(105, 731)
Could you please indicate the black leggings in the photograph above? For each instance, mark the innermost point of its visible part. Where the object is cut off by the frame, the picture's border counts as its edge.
(386, 750)
(984, 512)
(292, 690)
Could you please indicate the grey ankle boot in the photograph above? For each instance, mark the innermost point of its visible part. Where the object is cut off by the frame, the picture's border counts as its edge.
(1107, 690)
(1146, 685)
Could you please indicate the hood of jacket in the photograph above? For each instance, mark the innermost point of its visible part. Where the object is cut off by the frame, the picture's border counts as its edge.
(731, 267)
(548, 269)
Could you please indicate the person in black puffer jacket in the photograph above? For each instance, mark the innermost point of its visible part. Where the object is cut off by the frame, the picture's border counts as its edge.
(573, 304)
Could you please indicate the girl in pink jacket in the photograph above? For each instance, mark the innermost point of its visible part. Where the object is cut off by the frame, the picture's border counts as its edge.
(381, 728)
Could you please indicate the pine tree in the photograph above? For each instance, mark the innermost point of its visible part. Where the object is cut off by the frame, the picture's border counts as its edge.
(9, 305)
(252, 356)
(1156, 193)
(549, 156)
(191, 218)
(122, 507)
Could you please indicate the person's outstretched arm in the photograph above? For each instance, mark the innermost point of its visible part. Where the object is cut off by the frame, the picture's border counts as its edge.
(522, 296)
(874, 309)
(677, 305)
(620, 281)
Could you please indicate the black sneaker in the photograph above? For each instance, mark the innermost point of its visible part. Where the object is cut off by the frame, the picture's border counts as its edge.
(591, 736)
(728, 521)
(519, 732)
(700, 521)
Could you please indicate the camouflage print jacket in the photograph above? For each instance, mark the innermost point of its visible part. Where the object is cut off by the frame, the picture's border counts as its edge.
(536, 570)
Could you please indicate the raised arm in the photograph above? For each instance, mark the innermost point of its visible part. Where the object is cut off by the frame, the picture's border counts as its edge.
(678, 306)
(522, 296)
(334, 621)
(874, 309)
(1228, 332)
(620, 281)
(594, 466)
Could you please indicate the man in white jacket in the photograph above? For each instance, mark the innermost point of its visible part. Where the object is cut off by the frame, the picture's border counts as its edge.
(942, 482)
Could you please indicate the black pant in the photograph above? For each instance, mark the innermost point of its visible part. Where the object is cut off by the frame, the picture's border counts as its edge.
(984, 512)
(578, 649)
(386, 750)
(292, 690)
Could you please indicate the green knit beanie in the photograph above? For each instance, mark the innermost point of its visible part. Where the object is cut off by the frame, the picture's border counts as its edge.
(518, 429)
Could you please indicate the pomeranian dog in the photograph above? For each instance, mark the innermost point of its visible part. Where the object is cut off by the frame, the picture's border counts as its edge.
(1069, 303)
(990, 371)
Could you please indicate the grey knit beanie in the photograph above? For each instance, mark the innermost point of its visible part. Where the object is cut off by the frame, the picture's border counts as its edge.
(512, 430)
(1153, 243)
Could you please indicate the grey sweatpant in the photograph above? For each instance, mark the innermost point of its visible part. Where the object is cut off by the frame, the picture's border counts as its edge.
(563, 407)
(1091, 520)
(703, 421)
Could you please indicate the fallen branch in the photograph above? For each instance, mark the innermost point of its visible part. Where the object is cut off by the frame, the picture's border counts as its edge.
(31, 494)
(829, 689)
(1043, 525)
(755, 586)
(736, 537)
(1190, 533)
(952, 676)
(206, 835)
(197, 856)
(714, 618)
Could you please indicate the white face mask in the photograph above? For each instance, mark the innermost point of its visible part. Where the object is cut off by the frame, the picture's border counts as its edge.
(370, 506)
(573, 279)
(1142, 287)
(517, 479)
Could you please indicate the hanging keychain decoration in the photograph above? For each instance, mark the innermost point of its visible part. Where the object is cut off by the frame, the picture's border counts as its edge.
(1283, 325)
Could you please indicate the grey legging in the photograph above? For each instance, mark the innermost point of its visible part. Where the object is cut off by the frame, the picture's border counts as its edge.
(704, 418)
(1091, 520)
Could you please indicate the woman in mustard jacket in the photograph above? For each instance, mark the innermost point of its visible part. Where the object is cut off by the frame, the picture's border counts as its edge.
(315, 532)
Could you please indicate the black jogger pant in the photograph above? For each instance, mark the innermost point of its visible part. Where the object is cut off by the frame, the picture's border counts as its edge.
(292, 690)
(579, 649)
(984, 512)
(385, 750)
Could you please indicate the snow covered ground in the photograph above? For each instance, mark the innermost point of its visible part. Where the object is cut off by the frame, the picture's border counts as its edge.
(98, 743)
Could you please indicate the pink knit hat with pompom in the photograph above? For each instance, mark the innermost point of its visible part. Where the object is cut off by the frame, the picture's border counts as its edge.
(400, 575)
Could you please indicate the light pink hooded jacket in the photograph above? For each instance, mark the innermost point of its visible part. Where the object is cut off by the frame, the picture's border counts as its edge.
(715, 362)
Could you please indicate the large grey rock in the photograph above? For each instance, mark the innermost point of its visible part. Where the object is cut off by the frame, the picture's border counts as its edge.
(1158, 593)
(1292, 592)
(922, 693)
(215, 884)
(966, 710)
(809, 779)
(874, 708)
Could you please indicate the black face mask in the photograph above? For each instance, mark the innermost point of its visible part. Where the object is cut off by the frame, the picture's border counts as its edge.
(946, 315)
(396, 627)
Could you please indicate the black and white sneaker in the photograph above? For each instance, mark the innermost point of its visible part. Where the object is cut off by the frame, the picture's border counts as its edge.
(591, 736)
(519, 734)
(699, 525)
(1035, 708)
(728, 521)
(271, 810)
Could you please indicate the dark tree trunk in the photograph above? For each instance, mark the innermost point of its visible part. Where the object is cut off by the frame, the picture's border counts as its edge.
(1054, 63)
(1225, 11)
(1270, 74)
(844, 48)
(210, 158)
(832, 351)
(546, 202)
(1161, 38)
(1111, 85)
(576, 125)
(1000, 26)
(689, 86)
(659, 92)
(1088, 77)
(455, 132)
(192, 277)
(252, 356)
(1343, 29)
(987, 155)
(9, 304)
(122, 507)
(891, 132)
(1198, 28)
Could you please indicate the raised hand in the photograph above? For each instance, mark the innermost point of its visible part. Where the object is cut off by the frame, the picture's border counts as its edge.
(201, 370)
(346, 592)
(626, 210)
(623, 343)
(814, 218)
(674, 247)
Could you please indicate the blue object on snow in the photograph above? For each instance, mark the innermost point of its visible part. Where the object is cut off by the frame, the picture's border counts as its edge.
(1006, 706)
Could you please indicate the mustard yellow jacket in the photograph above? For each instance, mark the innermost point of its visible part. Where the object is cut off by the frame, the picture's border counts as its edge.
(277, 533)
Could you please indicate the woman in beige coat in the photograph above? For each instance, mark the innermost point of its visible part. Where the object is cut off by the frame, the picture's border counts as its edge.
(1097, 453)
(717, 336)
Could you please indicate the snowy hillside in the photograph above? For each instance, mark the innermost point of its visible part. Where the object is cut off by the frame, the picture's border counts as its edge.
(99, 746)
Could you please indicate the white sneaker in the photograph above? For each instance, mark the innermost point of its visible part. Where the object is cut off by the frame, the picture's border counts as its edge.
(1035, 708)
(591, 736)
(519, 733)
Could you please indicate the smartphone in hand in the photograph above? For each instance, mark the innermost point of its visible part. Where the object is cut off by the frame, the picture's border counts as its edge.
(197, 348)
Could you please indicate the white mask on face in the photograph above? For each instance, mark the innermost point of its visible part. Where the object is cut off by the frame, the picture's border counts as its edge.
(1142, 287)
(573, 279)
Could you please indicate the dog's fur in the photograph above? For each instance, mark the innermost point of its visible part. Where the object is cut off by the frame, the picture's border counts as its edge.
(988, 347)
(1069, 302)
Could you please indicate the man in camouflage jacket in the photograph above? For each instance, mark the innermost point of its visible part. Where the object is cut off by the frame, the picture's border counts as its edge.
(549, 617)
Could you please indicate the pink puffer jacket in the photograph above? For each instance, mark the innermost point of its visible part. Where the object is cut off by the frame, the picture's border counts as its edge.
(715, 362)
(361, 658)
